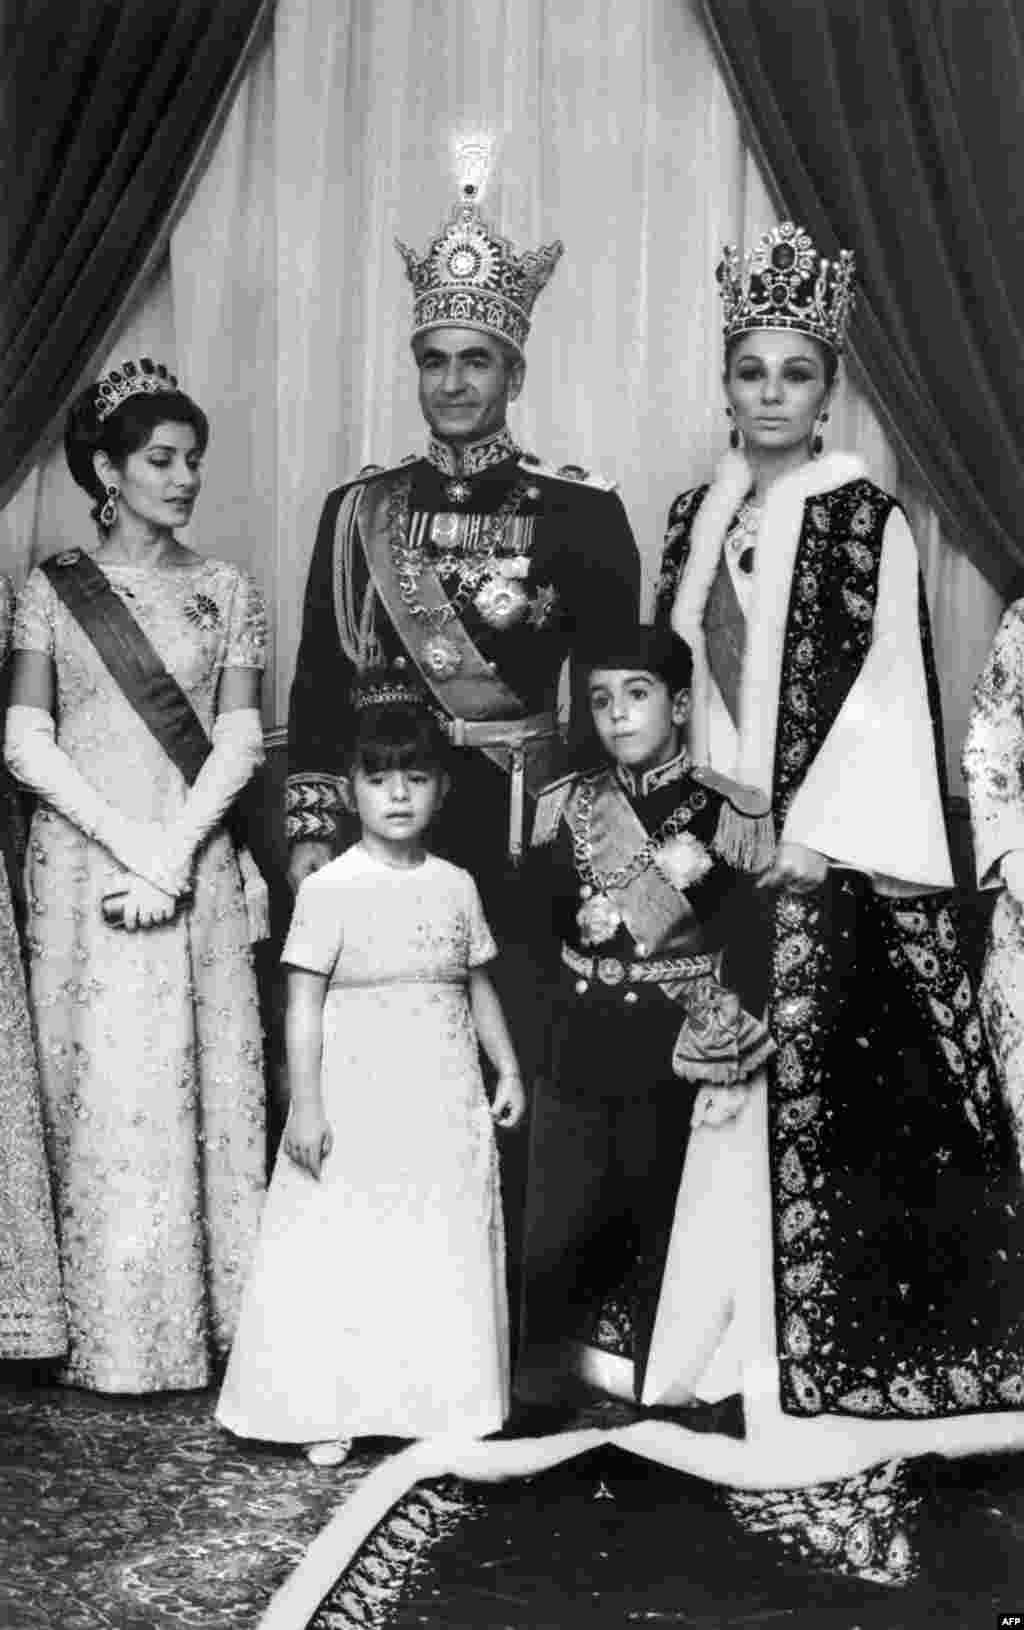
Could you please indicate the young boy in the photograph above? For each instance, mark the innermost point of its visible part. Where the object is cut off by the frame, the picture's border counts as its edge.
(641, 860)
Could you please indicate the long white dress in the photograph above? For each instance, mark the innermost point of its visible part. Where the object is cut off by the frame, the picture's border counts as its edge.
(376, 1303)
(150, 1045)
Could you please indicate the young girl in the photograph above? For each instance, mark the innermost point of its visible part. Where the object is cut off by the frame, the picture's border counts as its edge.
(376, 1304)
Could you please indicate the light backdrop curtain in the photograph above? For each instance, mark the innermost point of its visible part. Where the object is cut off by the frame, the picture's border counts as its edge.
(286, 310)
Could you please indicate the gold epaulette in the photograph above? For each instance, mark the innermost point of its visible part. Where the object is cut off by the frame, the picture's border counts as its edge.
(745, 835)
(552, 802)
(532, 465)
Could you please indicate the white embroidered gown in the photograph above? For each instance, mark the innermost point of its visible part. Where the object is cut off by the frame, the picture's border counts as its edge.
(377, 1300)
(150, 1046)
(31, 1305)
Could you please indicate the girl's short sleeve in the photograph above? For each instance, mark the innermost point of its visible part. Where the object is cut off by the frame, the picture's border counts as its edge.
(33, 619)
(481, 946)
(246, 643)
(315, 936)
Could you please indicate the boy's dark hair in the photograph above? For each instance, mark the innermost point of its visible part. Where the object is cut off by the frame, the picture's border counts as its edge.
(396, 737)
(643, 647)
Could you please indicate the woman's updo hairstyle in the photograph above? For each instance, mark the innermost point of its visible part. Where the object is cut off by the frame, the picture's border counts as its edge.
(125, 429)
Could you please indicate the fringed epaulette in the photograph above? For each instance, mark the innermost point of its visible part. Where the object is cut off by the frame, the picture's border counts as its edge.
(532, 465)
(745, 835)
(552, 802)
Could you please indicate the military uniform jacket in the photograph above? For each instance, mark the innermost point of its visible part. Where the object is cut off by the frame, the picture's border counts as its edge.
(571, 556)
(648, 877)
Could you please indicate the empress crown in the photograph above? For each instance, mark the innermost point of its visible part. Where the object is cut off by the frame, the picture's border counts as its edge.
(784, 283)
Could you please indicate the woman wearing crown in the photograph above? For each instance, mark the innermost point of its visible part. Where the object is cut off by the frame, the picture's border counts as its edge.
(864, 1293)
(134, 720)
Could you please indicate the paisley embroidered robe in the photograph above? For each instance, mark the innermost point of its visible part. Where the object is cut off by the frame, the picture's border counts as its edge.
(898, 1227)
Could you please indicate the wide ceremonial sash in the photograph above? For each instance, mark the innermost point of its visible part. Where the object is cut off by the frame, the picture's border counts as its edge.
(648, 905)
(475, 691)
(131, 660)
(475, 695)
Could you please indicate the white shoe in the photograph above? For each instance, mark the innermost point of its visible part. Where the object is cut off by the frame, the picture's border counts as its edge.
(332, 1452)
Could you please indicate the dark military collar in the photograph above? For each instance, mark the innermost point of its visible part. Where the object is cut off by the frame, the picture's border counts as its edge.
(648, 781)
(479, 455)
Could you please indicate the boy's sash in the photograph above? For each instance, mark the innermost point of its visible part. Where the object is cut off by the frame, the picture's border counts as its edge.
(131, 659)
(652, 910)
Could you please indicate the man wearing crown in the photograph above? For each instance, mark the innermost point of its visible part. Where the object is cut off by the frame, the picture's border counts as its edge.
(475, 563)
(479, 567)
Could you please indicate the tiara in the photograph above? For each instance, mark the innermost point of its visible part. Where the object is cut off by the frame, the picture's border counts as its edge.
(386, 687)
(472, 277)
(142, 378)
(784, 283)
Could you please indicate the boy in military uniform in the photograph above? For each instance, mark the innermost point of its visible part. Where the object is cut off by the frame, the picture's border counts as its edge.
(643, 861)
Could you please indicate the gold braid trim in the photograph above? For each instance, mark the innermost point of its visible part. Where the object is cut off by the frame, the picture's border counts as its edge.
(744, 841)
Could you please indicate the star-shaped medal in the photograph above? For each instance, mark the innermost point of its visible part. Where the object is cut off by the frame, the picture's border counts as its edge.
(457, 492)
(544, 604)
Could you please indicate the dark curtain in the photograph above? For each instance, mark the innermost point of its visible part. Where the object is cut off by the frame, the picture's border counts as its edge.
(896, 128)
(104, 107)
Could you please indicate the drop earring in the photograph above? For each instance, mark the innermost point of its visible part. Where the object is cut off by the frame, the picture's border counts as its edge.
(108, 514)
(735, 435)
(816, 440)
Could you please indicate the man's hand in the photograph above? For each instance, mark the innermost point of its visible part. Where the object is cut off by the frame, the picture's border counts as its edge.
(714, 1106)
(307, 857)
(1012, 868)
(795, 867)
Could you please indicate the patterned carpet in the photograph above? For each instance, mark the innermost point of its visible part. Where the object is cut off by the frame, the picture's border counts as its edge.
(122, 1514)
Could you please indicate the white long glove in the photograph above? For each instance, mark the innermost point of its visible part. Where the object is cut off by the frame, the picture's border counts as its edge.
(31, 751)
(237, 754)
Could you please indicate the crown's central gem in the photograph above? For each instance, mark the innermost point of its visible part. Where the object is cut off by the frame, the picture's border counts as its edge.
(463, 262)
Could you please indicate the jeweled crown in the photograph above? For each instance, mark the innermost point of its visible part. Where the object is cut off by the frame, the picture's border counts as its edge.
(142, 378)
(472, 277)
(784, 283)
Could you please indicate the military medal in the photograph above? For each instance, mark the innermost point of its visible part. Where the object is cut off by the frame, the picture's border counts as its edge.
(598, 918)
(501, 601)
(440, 656)
(457, 492)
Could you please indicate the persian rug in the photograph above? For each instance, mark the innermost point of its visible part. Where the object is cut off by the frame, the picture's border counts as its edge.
(140, 1514)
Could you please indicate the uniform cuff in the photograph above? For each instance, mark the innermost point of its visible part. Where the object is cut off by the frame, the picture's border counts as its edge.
(312, 807)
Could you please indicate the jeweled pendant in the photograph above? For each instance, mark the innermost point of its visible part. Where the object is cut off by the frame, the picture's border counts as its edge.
(441, 656)
(501, 601)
